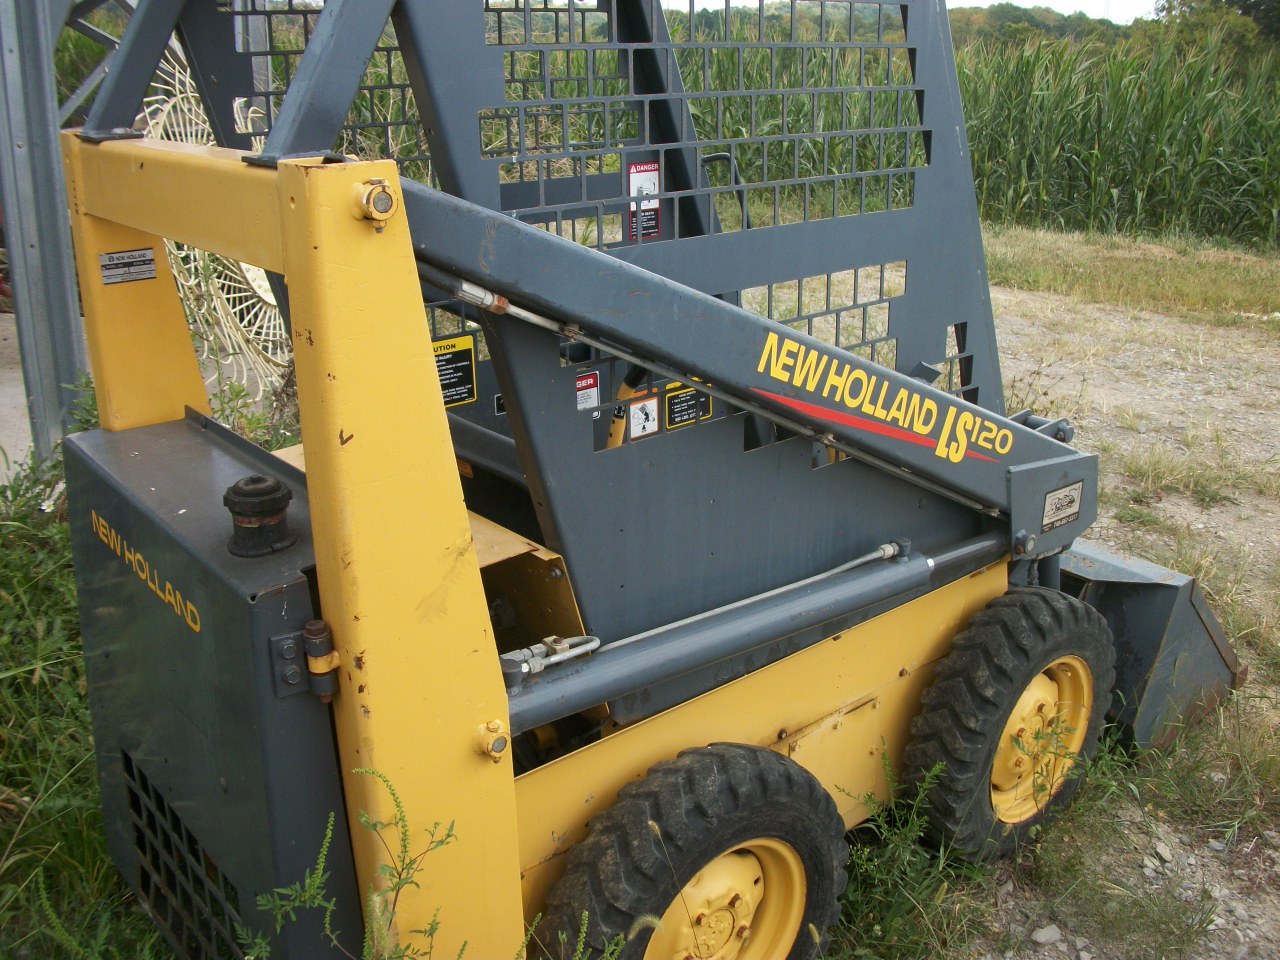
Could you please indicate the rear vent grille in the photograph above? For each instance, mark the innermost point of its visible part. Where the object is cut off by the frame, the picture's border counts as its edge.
(187, 894)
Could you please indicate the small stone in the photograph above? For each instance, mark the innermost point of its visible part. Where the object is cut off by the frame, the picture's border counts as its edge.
(1272, 837)
(1217, 923)
(1046, 935)
(1191, 860)
(1163, 852)
(1085, 955)
(1239, 913)
(1149, 873)
(1217, 846)
(1151, 863)
(1219, 778)
(1217, 892)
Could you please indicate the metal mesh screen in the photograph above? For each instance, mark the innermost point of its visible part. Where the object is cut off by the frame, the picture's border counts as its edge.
(185, 891)
(619, 124)
(383, 122)
(793, 112)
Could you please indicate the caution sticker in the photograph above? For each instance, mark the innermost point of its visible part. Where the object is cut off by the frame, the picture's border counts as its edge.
(456, 368)
(126, 266)
(686, 406)
(643, 418)
(1062, 506)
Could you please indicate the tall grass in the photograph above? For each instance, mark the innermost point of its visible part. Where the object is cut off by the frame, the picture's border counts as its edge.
(59, 894)
(1130, 139)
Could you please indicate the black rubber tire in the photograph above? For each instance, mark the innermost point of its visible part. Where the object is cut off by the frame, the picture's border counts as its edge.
(704, 802)
(974, 691)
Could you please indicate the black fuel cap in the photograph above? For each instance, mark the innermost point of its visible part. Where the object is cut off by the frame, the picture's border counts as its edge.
(259, 516)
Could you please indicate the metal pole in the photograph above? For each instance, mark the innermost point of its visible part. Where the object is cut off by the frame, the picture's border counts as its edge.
(34, 200)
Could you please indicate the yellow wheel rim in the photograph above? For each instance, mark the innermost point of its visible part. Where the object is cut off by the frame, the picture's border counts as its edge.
(1042, 739)
(746, 904)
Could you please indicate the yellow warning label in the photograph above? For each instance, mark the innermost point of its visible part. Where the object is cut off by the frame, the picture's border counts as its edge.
(685, 406)
(456, 368)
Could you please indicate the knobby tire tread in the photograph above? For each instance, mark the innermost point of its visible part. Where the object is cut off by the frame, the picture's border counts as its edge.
(621, 872)
(966, 707)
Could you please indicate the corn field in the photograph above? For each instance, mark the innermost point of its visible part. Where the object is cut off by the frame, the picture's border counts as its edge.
(1126, 139)
(1134, 138)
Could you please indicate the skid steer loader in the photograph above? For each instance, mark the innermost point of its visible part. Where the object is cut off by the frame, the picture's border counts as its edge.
(655, 484)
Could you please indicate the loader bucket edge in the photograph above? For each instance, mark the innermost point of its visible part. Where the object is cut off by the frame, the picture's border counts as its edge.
(1173, 661)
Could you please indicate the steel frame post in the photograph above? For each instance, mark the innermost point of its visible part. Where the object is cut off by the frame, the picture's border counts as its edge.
(419, 701)
(39, 241)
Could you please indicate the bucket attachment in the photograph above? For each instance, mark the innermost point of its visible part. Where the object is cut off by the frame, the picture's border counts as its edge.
(1173, 662)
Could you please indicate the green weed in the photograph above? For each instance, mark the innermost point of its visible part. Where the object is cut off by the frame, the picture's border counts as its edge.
(1132, 513)
(58, 888)
(395, 875)
(904, 901)
(1085, 872)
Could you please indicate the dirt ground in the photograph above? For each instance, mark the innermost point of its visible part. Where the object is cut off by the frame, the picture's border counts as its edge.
(1151, 392)
(15, 430)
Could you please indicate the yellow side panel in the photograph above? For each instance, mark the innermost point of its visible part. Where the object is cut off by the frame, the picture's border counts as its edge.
(396, 567)
(140, 351)
(835, 708)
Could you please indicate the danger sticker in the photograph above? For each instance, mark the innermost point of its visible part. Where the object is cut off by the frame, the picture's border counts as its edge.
(643, 418)
(1062, 506)
(456, 368)
(642, 181)
(587, 390)
(687, 406)
(126, 266)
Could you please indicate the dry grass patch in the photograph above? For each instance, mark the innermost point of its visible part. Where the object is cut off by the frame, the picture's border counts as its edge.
(1182, 278)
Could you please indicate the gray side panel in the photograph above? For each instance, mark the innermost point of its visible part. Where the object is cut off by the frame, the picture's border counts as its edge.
(214, 789)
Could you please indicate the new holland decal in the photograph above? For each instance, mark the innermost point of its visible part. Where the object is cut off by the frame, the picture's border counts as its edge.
(146, 571)
(878, 406)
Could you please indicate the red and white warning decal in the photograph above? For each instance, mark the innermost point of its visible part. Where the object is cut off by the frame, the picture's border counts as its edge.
(642, 182)
(587, 390)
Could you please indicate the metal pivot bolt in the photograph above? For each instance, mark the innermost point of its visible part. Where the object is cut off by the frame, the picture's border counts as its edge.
(494, 740)
(376, 202)
(1024, 542)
